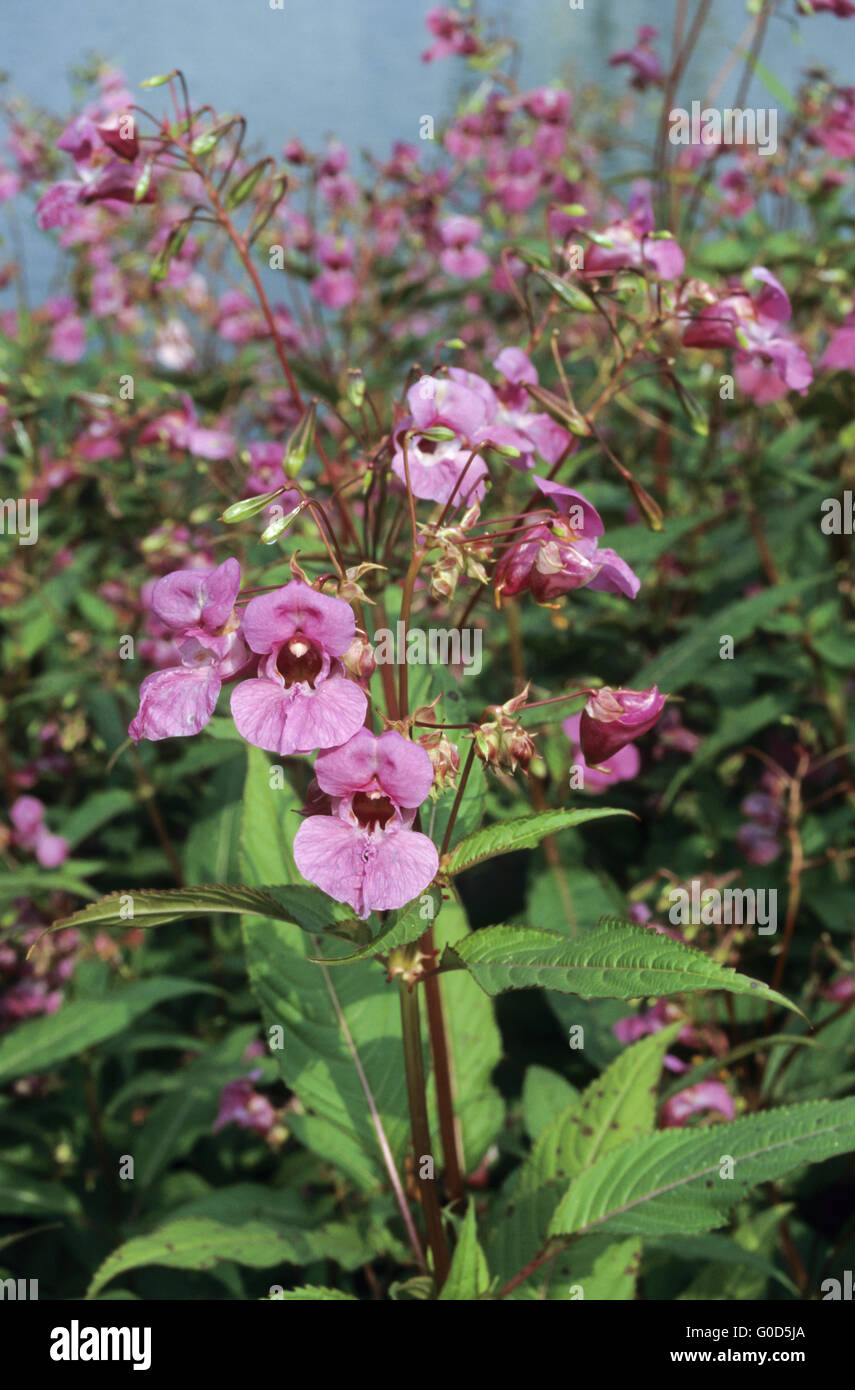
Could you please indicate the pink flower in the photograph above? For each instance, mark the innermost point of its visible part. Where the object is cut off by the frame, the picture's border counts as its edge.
(642, 59)
(10, 184)
(364, 852)
(628, 244)
(181, 429)
(840, 353)
(68, 339)
(706, 1095)
(460, 257)
(30, 832)
(556, 557)
(768, 364)
(301, 699)
(242, 1105)
(622, 767)
(197, 605)
(453, 35)
(613, 718)
(335, 289)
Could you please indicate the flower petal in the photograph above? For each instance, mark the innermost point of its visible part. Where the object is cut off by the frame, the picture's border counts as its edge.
(176, 702)
(403, 769)
(271, 619)
(297, 720)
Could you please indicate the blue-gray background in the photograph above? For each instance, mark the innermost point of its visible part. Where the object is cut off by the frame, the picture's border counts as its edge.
(352, 67)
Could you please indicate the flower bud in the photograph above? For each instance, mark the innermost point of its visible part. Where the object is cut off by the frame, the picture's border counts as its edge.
(444, 758)
(613, 718)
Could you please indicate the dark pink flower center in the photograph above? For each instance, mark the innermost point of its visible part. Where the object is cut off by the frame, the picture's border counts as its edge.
(371, 809)
(299, 660)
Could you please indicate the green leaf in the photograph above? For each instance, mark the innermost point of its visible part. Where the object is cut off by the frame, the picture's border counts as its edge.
(692, 655)
(155, 906)
(313, 1293)
(672, 1182)
(23, 1195)
(614, 960)
(744, 1269)
(41, 1043)
(737, 728)
(617, 1107)
(522, 833)
(403, 926)
(468, 1277)
(245, 1224)
(545, 1094)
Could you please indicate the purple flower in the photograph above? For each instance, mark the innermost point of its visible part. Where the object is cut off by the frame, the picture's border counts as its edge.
(613, 718)
(364, 852)
(301, 699)
(241, 1104)
(197, 605)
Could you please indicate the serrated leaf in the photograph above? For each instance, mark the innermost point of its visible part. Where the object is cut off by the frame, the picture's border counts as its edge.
(522, 833)
(614, 960)
(671, 1182)
(468, 1277)
(545, 1095)
(617, 1107)
(245, 1224)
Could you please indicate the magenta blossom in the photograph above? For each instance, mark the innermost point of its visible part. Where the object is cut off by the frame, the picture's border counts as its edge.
(643, 59)
(622, 767)
(706, 1095)
(197, 606)
(365, 852)
(452, 35)
(460, 257)
(27, 815)
(242, 1105)
(613, 718)
(180, 429)
(301, 699)
(630, 245)
(768, 364)
(840, 353)
(844, 9)
(563, 554)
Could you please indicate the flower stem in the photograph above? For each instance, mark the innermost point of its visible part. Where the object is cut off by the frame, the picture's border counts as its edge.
(414, 1064)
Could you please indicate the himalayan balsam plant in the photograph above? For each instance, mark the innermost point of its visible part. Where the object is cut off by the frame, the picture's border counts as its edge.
(351, 455)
